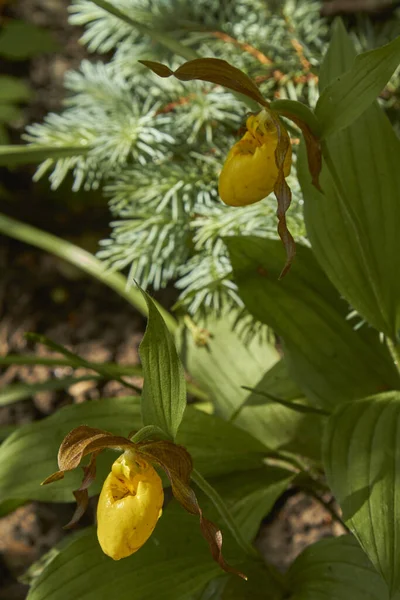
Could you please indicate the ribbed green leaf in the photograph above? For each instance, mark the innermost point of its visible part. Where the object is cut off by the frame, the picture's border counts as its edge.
(253, 495)
(227, 363)
(330, 361)
(260, 585)
(164, 389)
(174, 562)
(353, 227)
(31, 451)
(362, 458)
(336, 569)
(348, 95)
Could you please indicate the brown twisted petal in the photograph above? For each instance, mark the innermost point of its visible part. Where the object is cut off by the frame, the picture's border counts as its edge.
(177, 463)
(213, 70)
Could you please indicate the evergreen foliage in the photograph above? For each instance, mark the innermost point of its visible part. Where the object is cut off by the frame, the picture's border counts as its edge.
(156, 145)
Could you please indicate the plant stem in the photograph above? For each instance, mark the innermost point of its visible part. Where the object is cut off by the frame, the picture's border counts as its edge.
(82, 260)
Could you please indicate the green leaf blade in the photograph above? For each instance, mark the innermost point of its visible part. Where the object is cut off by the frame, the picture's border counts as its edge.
(164, 389)
(327, 358)
(353, 226)
(173, 560)
(362, 457)
(337, 569)
(216, 446)
(350, 94)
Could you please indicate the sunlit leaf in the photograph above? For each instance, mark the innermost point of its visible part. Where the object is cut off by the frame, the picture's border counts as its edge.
(336, 569)
(164, 391)
(362, 457)
(329, 360)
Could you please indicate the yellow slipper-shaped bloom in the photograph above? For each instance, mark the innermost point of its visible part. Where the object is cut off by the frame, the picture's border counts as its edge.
(250, 172)
(129, 507)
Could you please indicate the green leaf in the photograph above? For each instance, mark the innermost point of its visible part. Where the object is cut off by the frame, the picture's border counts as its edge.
(226, 363)
(31, 451)
(351, 93)
(251, 495)
(300, 407)
(10, 506)
(74, 360)
(336, 569)
(6, 430)
(9, 113)
(13, 89)
(362, 457)
(20, 391)
(172, 564)
(79, 361)
(164, 389)
(353, 226)
(275, 381)
(330, 361)
(20, 40)
(260, 585)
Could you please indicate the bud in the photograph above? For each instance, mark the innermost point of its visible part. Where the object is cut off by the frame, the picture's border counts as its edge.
(129, 507)
(250, 172)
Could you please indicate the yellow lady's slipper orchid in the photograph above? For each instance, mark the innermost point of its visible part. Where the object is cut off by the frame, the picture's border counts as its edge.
(250, 172)
(131, 500)
(129, 507)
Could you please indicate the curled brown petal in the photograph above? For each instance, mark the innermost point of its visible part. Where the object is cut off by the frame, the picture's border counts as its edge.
(82, 500)
(213, 70)
(84, 440)
(177, 464)
(283, 195)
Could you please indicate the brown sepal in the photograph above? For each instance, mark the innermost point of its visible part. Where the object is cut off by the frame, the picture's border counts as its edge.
(81, 494)
(84, 440)
(213, 70)
(77, 444)
(314, 152)
(212, 534)
(82, 500)
(177, 464)
(54, 477)
(283, 195)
